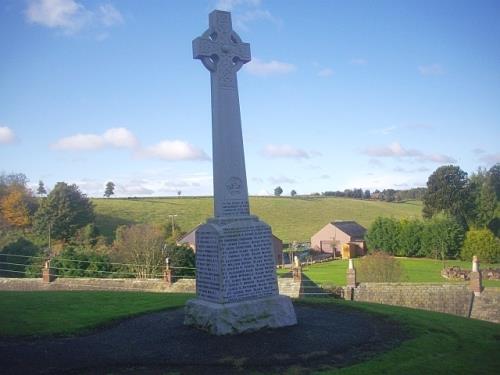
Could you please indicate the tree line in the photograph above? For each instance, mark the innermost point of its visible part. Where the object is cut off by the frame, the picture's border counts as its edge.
(61, 225)
(461, 219)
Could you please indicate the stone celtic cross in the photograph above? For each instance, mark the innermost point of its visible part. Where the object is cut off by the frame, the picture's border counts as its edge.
(223, 53)
(236, 284)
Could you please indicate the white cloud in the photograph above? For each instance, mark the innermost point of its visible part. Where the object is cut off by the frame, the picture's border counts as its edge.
(326, 72)
(431, 70)
(242, 20)
(70, 15)
(109, 15)
(120, 137)
(115, 137)
(175, 150)
(359, 61)
(260, 68)
(284, 151)
(395, 150)
(6, 135)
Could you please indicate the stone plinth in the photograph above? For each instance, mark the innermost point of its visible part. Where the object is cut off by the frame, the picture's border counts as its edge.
(240, 317)
(235, 271)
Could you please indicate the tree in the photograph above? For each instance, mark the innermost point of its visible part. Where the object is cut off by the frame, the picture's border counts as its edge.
(16, 208)
(410, 237)
(278, 191)
(448, 191)
(366, 194)
(383, 235)
(110, 189)
(179, 192)
(41, 191)
(64, 211)
(141, 246)
(181, 259)
(483, 244)
(494, 174)
(293, 193)
(442, 237)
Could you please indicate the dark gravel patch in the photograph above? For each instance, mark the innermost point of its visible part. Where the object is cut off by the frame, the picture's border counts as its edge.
(158, 343)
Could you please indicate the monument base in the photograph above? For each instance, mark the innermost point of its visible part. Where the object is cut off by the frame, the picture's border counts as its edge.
(238, 317)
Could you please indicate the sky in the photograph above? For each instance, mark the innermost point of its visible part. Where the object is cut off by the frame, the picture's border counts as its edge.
(338, 95)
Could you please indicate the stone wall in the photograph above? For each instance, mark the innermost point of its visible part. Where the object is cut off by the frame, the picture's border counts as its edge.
(286, 286)
(486, 306)
(448, 298)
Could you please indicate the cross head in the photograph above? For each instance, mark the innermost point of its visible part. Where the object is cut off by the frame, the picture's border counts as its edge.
(220, 49)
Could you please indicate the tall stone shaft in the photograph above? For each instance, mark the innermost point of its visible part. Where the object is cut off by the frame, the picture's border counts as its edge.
(222, 52)
(236, 284)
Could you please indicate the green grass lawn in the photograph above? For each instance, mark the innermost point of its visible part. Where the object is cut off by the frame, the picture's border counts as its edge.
(291, 218)
(42, 313)
(415, 270)
(439, 343)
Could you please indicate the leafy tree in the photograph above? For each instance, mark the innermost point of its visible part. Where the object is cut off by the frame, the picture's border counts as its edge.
(41, 191)
(16, 208)
(293, 193)
(494, 174)
(65, 210)
(483, 244)
(448, 191)
(13, 180)
(181, 259)
(141, 246)
(179, 192)
(379, 267)
(366, 194)
(442, 237)
(110, 189)
(278, 191)
(410, 238)
(383, 235)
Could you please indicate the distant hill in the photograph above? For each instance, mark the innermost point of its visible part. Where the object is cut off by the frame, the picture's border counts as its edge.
(291, 218)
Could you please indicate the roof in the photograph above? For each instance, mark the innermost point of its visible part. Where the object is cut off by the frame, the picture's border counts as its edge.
(351, 228)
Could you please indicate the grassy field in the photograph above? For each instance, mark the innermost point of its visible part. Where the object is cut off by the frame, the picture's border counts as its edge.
(439, 343)
(63, 313)
(414, 271)
(291, 218)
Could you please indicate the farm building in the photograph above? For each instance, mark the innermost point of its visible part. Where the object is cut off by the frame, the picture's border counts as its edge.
(341, 238)
(189, 239)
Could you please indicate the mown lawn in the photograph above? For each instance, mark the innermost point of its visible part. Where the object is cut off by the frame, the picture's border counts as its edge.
(415, 270)
(63, 313)
(438, 343)
(292, 219)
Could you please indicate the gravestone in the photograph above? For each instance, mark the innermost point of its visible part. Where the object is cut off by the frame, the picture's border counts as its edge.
(236, 284)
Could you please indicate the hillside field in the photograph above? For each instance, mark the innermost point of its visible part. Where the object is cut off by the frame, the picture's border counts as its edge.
(292, 219)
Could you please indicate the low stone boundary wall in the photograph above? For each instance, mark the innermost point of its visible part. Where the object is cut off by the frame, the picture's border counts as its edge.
(447, 298)
(456, 298)
(287, 287)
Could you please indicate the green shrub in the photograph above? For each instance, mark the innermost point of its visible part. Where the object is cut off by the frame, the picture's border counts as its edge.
(483, 244)
(379, 267)
(16, 257)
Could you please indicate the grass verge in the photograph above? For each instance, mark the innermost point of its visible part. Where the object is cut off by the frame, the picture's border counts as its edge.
(65, 313)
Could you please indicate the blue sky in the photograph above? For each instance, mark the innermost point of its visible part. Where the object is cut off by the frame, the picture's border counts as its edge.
(339, 94)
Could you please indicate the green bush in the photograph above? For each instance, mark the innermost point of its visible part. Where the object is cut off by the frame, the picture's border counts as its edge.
(76, 262)
(483, 244)
(17, 256)
(379, 267)
(442, 237)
